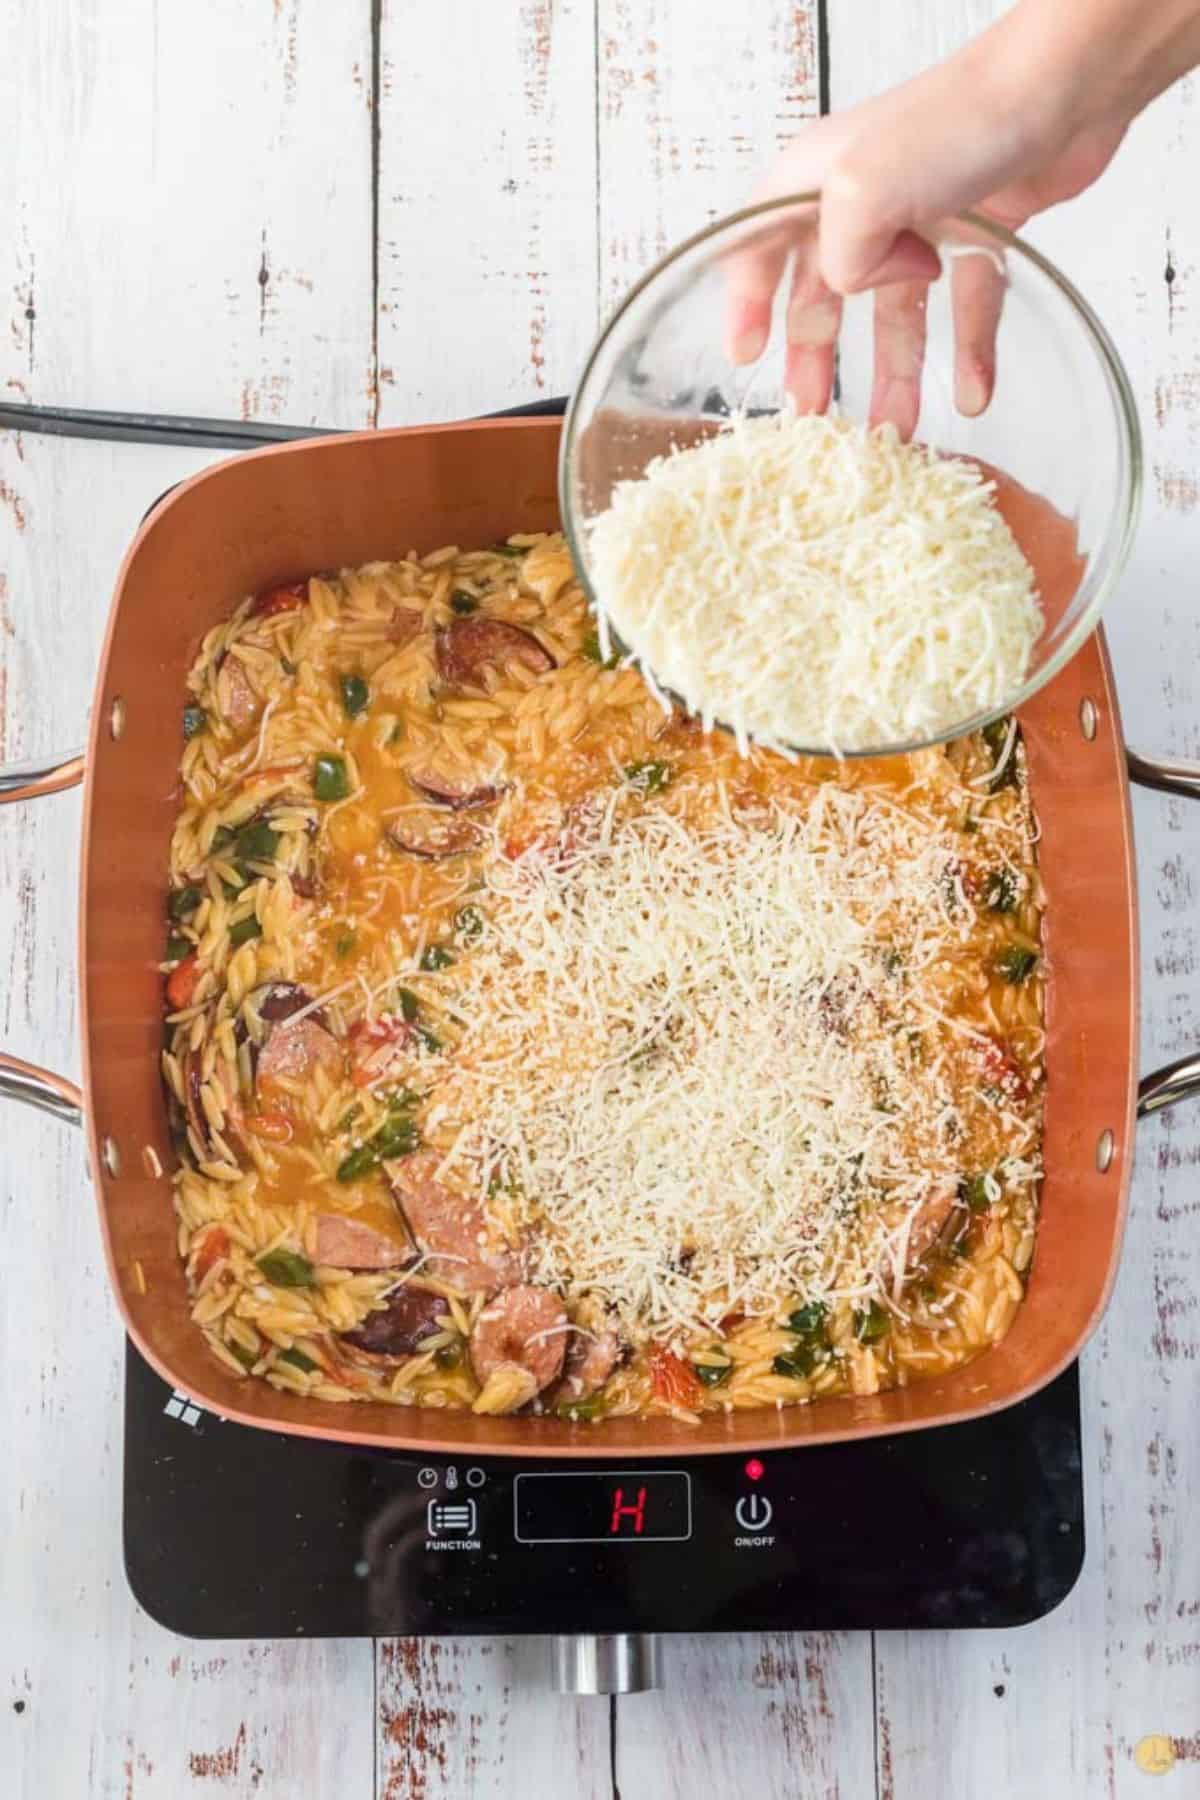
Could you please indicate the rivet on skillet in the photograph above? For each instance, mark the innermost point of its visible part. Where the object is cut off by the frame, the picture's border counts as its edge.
(1089, 718)
(116, 718)
(1105, 1145)
(110, 1156)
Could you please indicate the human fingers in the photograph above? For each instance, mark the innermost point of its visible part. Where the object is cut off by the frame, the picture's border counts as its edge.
(977, 284)
(814, 318)
(899, 355)
(753, 272)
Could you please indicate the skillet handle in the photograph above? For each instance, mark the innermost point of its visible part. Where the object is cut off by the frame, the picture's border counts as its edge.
(47, 775)
(1163, 1087)
(1178, 1080)
(1166, 774)
(54, 1094)
(19, 1080)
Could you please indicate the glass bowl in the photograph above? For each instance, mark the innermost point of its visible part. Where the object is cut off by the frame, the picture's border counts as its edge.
(1061, 421)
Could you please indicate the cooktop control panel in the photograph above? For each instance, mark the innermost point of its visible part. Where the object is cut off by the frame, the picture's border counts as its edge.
(233, 1532)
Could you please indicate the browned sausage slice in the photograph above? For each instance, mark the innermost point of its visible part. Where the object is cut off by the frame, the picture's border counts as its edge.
(431, 835)
(591, 1359)
(451, 1229)
(349, 1243)
(930, 1220)
(239, 703)
(397, 1328)
(525, 1326)
(405, 624)
(294, 1050)
(459, 797)
(466, 647)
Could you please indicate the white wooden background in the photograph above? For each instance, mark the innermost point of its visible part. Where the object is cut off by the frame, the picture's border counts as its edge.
(351, 214)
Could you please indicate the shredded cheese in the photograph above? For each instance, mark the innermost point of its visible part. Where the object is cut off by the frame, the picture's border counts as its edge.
(809, 582)
(709, 1066)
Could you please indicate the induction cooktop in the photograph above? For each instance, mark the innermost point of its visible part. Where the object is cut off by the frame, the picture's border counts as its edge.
(235, 1532)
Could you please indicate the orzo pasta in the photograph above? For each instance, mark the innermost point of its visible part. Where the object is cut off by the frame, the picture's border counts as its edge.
(529, 1047)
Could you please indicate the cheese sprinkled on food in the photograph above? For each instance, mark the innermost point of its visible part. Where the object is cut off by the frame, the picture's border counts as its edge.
(812, 583)
(709, 1067)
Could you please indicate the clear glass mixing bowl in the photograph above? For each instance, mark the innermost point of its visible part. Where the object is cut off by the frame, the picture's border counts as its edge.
(1061, 421)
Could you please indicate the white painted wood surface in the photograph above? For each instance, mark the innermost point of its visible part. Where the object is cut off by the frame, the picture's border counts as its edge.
(448, 250)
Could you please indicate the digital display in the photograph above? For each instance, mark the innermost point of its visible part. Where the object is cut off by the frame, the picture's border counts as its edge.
(629, 1506)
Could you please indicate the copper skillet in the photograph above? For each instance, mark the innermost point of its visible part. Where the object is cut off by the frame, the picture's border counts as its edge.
(327, 502)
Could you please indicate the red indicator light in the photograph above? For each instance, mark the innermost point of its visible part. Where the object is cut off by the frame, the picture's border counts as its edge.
(754, 1469)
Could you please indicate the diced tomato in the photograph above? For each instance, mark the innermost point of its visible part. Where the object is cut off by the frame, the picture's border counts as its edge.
(673, 1379)
(181, 982)
(281, 599)
(968, 877)
(368, 1041)
(274, 1125)
(730, 1322)
(214, 1247)
(1002, 1070)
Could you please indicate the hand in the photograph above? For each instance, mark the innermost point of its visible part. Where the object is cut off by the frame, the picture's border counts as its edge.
(1027, 115)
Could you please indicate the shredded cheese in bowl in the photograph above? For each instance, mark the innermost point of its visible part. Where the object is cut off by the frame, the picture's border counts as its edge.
(810, 582)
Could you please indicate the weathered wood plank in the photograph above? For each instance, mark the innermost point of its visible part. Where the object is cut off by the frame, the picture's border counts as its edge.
(773, 1715)
(692, 101)
(1120, 1660)
(460, 1719)
(185, 215)
(487, 204)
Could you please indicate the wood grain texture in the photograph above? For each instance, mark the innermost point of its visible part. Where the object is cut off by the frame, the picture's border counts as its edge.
(775, 1716)
(467, 1718)
(692, 102)
(185, 214)
(487, 203)
(1121, 1659)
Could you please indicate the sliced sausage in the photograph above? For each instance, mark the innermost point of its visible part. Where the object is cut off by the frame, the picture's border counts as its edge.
(431, 835)
(349, 1243)
(294, 1051)
(278, 1000)
(466, 647)
(196, 1115)
(238, 703)
(404, 625)
(197, 1118)
(930, 1221)
(398, 1327)
(451, 1229)
(463, 796)
(525, 1326)
(590, 1360)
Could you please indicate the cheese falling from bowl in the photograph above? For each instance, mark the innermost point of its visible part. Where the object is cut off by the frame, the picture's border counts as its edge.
(811, 583)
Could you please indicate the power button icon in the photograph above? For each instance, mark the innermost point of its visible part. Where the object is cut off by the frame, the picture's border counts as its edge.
(753, 1512)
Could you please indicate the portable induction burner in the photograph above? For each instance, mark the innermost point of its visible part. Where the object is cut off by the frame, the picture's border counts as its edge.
(234, 1532)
